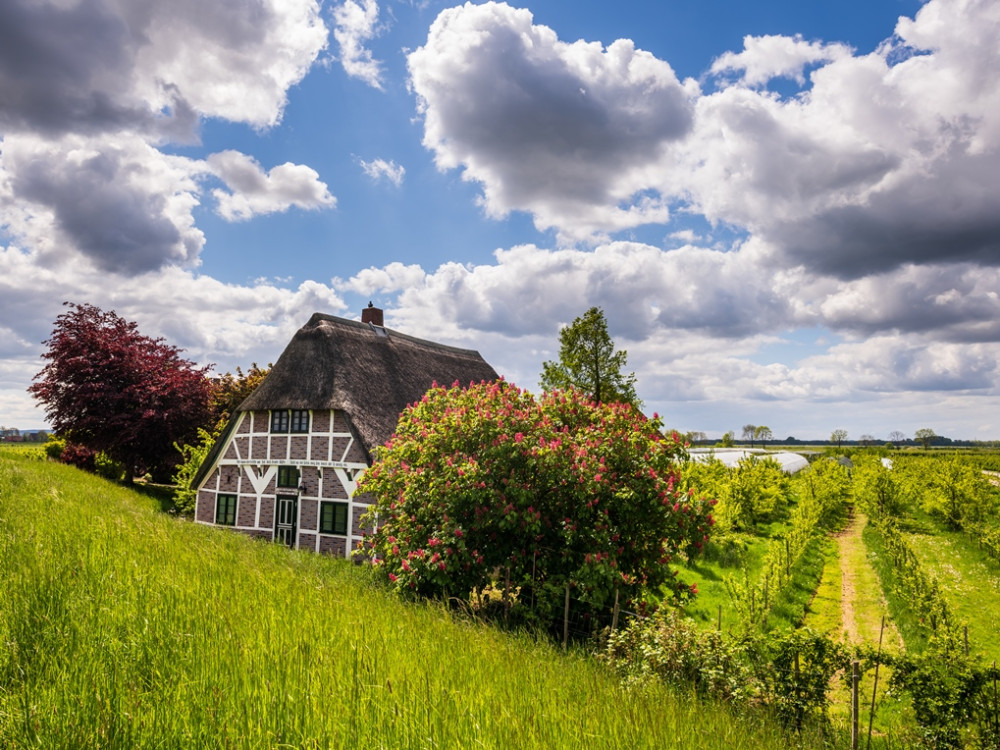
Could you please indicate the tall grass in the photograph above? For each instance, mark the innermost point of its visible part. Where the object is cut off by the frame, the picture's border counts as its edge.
(124, 628)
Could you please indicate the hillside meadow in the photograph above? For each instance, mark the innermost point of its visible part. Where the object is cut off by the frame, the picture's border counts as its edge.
(124, 627)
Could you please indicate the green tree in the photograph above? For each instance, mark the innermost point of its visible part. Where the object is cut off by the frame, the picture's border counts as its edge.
(924, 436)
(750, 433)
(589, 363)
(958, 493)
(489, 486)
(229, 391)
(728, 440)
(838, 436)
(880, 490)
(763, 434)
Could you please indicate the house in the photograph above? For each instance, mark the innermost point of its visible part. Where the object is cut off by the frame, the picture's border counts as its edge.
(287, 466)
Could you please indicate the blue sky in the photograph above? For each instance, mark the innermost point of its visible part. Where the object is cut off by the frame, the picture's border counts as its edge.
(788, 211)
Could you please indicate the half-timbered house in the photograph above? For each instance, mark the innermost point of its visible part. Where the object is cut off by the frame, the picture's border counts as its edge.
(287, 465)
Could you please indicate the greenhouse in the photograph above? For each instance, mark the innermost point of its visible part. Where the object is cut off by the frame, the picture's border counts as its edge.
(790, 462)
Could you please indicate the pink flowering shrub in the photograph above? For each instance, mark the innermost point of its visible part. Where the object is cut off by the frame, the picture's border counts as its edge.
(486, 484)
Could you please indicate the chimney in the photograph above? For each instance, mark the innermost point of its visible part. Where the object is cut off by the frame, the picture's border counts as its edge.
(372, 315)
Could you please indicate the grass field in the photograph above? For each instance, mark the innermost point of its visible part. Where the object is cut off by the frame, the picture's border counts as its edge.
(126, 628)
(970, 579)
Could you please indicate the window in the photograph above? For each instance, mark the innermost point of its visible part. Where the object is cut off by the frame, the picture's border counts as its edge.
(279, 421)
(300, 420)
(297, 419)
(225, 510)
(288, 476)
(333, 518)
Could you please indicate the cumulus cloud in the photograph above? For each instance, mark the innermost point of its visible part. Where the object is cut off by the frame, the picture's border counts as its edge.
(565, 131)
(224, 324)
(886, 160)
(380, 169)
(255, 192)
(699, 324)
(90, 92)
(105, 65)
(126, 207)
(355, 26)
(767, 57)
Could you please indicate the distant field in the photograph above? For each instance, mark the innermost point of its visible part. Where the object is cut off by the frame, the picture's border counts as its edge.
(126, 628)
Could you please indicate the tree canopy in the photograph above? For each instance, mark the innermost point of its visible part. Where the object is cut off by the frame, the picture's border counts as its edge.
(551, 492)
(109, 388)
(589, 363)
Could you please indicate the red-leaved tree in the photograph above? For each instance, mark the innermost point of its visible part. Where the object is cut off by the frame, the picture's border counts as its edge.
(109, 388)
(489, 486)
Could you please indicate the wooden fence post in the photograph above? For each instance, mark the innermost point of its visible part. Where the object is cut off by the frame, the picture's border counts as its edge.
(855, 679)
(614, 616)
(566, 618)
(878, 660)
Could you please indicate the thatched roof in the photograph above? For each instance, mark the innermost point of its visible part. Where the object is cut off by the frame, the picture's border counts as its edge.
(370, 372)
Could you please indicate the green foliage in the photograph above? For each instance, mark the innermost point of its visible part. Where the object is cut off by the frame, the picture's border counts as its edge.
(673, 649)
(589, 363)
(958, 493)
(554, 492)
(54, 447)
(192, 457)
(954, 700)
(755, 491)
(107, 467)
(231, 390)
(789, 672)
(879, 490)
(920, 590)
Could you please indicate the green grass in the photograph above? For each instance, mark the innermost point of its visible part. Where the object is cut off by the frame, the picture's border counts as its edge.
(124, 627)
(970, 580)
(824, 614)
(742, 554)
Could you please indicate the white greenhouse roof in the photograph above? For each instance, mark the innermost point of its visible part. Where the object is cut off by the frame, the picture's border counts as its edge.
(790, 462)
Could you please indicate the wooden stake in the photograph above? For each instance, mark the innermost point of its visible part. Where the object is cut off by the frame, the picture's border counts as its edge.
(855, 679)
(566, 618)
(614, 616)
(878, 660)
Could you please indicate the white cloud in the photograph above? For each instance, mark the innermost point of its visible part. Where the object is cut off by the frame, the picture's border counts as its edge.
(110, 65)
(356, 25)
(213, 322)
(879, 164)
(767, 57)
(125, 207)
(379, 169)
(90, 93)
(565, 131)
(255, 192)
(395, 277)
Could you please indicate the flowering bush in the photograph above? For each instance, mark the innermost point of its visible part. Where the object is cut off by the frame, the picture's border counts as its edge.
(489, 485)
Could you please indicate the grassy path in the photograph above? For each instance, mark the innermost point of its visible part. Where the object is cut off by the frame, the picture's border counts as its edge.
(862, 604)
(849, 599)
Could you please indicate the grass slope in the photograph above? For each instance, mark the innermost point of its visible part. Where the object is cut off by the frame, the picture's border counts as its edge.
(123, 627)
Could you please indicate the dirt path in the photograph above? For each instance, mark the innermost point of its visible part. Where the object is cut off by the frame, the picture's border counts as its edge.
(847, 593)
(862, 604)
